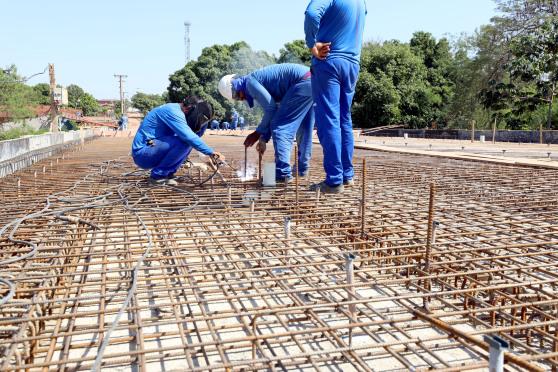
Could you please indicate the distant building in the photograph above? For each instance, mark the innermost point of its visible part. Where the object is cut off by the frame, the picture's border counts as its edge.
(61, 95)
(108, 103)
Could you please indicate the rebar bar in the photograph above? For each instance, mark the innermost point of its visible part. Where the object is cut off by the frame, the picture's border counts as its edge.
(100, 270)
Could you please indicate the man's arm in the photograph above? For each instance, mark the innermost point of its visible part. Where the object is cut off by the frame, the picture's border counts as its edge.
(179, 126)
(262, 96)
(313, 16)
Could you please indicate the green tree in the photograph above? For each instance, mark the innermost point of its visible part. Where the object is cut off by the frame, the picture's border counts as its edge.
(393, 88)
(17, 99)
(295, 52)
(200, 77)
(81, 100)
(146, 102)
(471, 69)
(42, 91)
(74, 96)
(534, 68)
(438, 59)
(522, 78)
(89, 105)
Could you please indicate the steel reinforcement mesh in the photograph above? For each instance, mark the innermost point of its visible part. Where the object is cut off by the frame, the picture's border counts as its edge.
(407, 269)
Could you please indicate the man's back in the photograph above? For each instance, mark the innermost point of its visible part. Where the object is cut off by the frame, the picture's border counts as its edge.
(339, 22)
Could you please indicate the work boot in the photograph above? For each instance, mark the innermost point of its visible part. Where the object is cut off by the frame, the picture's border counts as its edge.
(162, 181)
(288, 179)
(326, 189)
(349, 182)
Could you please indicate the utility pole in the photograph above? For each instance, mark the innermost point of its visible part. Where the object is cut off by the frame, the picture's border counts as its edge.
(53, 106)
(121, 82)
(187, 40)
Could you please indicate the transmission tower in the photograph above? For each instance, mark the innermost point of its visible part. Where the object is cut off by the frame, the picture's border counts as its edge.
(187, 40)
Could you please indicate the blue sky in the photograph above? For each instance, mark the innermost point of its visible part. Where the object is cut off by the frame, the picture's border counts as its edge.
(90, 41)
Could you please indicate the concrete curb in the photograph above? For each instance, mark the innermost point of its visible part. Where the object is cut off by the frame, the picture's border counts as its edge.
(22, 152)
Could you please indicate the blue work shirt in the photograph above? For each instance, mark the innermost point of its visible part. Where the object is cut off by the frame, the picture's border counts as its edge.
(269, 85)
(339, 22)
(168, 120)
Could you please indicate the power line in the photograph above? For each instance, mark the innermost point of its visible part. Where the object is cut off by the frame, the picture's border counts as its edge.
(24, 79)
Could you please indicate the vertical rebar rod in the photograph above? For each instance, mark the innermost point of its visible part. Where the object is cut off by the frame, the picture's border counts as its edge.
(252, 209)
(363, 200)
(287, 225)
(260, 160)
(349, 270)
(428, 252)
(245, 162)
(296, 178)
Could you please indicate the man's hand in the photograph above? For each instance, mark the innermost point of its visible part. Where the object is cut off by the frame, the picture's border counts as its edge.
(251, 139)
(261, 146)
(321, 50)
(216, 157)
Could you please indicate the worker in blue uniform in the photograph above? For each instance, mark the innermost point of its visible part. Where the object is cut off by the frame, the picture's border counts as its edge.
(214, 124)
(284, 91)
(167, 135)
(334, 34)
(234, 119)
(123, 122)
(241, 123)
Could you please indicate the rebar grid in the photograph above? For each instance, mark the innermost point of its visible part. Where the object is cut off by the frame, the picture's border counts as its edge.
(215, 277)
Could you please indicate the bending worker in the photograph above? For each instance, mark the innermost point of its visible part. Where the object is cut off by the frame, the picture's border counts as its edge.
(334, 32)
(285, 93)
(167, 135)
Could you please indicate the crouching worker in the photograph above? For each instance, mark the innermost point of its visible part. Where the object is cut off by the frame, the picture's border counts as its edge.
(167, 135)
(285, 93)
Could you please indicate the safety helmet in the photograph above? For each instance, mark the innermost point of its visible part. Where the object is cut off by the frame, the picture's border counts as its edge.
(225, 86)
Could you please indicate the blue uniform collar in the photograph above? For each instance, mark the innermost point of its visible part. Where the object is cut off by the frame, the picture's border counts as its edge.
(239, 85)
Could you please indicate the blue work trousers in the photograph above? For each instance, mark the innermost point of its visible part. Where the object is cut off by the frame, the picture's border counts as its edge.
(164, 157)
(333, 86)
(295, 117)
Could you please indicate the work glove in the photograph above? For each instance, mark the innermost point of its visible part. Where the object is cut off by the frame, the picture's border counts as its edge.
(261, 146)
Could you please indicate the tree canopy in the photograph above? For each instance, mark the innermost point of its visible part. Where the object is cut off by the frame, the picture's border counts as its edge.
(506, 71)
(295, 52)
(17, 99)
(81, 100)
(145, 102)
(201, 77)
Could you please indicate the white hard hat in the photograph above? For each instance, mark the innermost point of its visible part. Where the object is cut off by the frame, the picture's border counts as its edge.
(225, 86)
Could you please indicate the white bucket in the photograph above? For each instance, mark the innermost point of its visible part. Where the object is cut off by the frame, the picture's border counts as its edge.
(482, 139)
(406, 135)
(269, 174)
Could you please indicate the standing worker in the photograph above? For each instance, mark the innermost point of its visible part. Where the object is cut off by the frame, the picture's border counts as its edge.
(241, 122)
(234, 119)
(167, 135)
(334, 33)
(285, 93)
